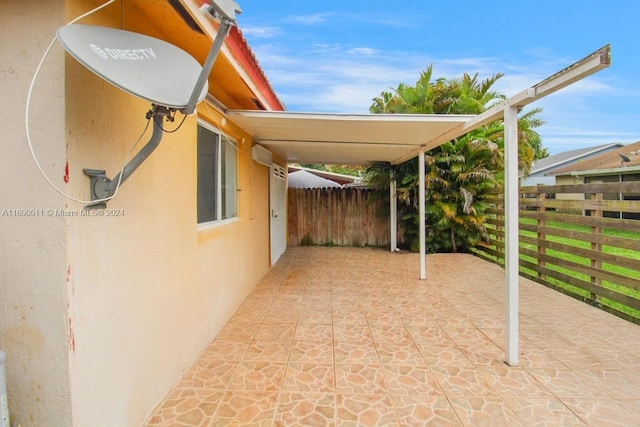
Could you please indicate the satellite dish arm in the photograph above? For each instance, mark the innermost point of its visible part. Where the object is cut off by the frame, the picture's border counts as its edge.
(142, 155)
(226, 11)
(223, 32)
(102, 188)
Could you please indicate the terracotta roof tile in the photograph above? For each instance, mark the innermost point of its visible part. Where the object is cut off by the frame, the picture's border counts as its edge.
(243, 53)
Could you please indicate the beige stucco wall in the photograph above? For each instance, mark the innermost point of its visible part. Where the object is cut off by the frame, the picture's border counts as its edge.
(101, 315)
(150, 288)
(569, 180)
(33, 290)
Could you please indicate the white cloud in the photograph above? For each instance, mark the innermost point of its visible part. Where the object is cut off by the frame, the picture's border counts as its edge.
(363, 51)
(314, 19)
(261, 32)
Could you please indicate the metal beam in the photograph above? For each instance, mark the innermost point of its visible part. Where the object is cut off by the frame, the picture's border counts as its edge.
(497, 112)
(327, 144)
(590, 64)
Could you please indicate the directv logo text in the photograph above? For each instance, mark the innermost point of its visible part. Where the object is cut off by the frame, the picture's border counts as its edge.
(124, 54)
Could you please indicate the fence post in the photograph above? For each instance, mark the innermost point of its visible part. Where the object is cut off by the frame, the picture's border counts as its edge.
(595, 246)
(541, 222)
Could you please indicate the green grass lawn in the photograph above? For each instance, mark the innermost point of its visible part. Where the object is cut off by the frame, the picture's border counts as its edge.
(632, 273)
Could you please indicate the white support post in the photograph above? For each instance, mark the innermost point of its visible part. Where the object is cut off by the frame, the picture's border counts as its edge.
(393, 208)
(512, 250)
(422, 210)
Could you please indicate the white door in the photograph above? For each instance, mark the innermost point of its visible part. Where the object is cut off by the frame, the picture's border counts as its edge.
(278, 209)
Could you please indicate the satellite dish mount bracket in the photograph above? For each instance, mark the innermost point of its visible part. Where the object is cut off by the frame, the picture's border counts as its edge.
(101, 187)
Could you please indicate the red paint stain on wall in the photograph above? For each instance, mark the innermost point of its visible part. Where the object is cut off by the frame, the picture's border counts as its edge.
(72, 337)
(66, 173)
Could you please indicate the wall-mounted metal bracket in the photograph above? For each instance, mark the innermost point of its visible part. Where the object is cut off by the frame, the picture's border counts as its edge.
(101, 187)
(98, 186)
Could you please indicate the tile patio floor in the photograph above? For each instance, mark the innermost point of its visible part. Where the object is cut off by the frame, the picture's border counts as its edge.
(345, 337)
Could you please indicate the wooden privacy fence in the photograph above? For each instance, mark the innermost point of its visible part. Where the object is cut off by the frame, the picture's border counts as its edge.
(579, 239)
(335, 216)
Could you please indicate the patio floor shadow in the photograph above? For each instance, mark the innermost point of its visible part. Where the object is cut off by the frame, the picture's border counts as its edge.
(346, 337)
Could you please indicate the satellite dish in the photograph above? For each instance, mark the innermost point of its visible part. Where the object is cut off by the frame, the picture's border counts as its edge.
(624, 158)
(152, 69)
(143, 66)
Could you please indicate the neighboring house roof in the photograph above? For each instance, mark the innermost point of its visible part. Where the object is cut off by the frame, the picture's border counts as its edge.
(549, 164)
(340, 178)
(304, 179)
(613, 161)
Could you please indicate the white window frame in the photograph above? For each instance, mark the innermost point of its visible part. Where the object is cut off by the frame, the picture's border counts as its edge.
(222, 138)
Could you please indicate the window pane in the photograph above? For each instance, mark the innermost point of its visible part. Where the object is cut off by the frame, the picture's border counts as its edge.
(229, 178)
(207, 175)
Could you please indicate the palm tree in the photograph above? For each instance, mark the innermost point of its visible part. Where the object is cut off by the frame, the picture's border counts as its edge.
(457, 96)
(459, 175)
(405, 99)
(460, 172)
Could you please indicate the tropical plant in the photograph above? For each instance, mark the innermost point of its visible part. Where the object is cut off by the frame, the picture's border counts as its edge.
(459, 173)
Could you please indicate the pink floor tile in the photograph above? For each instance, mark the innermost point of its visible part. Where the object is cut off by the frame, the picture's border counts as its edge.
(346, 336)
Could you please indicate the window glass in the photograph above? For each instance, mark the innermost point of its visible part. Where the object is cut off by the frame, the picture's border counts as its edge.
(207, 175)
(229, 178)
(217, 176)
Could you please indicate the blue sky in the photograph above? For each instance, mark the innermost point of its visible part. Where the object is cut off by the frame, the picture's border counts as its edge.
(335, 56)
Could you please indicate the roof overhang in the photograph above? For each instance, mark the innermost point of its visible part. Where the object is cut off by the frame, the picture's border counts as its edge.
(236, 80)
(344, 138)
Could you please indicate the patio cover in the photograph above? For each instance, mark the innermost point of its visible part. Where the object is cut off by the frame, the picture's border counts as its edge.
(346, 138)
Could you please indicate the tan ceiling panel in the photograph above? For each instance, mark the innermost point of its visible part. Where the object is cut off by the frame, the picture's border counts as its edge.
(344, 138)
